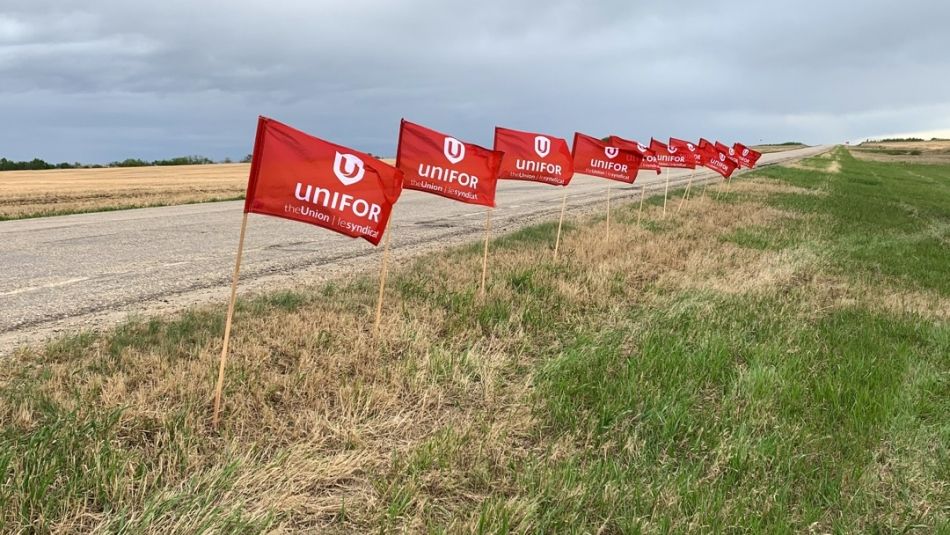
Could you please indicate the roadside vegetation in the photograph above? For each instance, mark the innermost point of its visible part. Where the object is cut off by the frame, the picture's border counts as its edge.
(775, 357)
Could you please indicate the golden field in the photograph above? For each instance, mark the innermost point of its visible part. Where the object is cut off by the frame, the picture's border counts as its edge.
(65, 191)
(765, 149)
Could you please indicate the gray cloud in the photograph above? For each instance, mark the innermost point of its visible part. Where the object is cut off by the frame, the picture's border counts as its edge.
(123, 79)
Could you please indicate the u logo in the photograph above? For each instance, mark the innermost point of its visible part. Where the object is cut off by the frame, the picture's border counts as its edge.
(348, 168)
(542, 146)
(454, 150)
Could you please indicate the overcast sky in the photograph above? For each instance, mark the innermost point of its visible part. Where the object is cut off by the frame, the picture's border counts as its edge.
(103, 80)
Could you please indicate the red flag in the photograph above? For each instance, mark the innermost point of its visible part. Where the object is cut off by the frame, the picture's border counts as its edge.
(717, 160)
(730, 152)
(437, 163)
(649, 162)
(536, 157)
(673, 157)
(707, 149)
(688, 147)
(597, 158)
(297, 176)
(721, 147)
(746, 156)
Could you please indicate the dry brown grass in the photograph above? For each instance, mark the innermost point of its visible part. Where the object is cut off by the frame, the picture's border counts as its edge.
(908, 145)
(923, 152)
(29, 193)
(318, 409)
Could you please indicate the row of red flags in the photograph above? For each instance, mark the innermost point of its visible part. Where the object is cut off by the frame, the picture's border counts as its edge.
(300, 177)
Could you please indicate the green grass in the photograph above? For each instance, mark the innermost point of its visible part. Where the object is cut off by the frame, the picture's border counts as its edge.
(889, 223)
(744, 417)
(627, 405)
(765, 238)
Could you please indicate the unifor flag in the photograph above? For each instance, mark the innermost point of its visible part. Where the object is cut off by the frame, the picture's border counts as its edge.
(668, 156)
(746, 156)
(605, 160)
(532, 156)
(730, 151)
(717, 160)
(722, 147)
(300, 177)
(649, 161)
(688, 147)
(441, 164)
(707, 149)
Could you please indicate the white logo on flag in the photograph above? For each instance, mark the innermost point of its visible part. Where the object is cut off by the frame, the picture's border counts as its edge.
(641, 147)
(732, 151)
(691, 147)
(722, 157)
(611, 152)
(672, 149)
(542, 146)
(348, 168)
(454, 150)
(745, 152)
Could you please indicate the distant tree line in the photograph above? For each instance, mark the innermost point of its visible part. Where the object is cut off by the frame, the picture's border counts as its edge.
(37, 164)
(904, 140)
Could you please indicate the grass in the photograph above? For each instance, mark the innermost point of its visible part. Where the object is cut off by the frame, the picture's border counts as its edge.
(933, 152)
(888, 223)
(754, 363)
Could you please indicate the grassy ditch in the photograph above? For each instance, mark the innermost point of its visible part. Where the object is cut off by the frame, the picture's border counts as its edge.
(774, 360)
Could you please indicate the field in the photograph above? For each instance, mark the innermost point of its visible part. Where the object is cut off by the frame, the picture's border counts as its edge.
(70, 191)
(764, 149)
(933, 152)
(773, 358)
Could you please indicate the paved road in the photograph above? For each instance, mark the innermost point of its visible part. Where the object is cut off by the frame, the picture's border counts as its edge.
(91, 270)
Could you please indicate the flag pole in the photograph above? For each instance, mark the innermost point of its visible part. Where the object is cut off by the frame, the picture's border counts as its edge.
(560, 221)
(686, 195)
(485, 255)
(666, 191)
(227, 326)
(382, 280)
(643, 193)
(608, 212)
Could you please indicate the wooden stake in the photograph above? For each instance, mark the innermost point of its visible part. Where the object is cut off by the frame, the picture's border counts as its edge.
(608, 212)
(382, 280)
(705, 184)
(728, 182)
(685, 197)
(557, 241)
(643, 193)
(666, 193)
(227, 326)
(485, 255)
